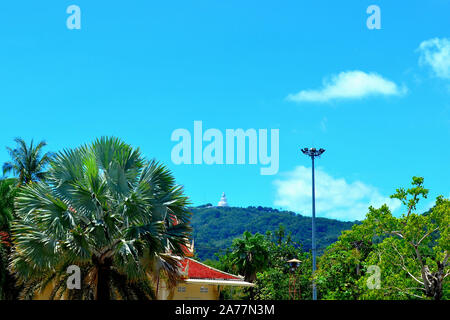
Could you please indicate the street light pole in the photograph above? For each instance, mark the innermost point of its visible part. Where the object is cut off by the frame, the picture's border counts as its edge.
(314, 246)
(313, 153)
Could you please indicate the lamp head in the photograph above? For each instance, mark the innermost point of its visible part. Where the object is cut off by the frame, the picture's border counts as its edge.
(294, 264)
(312, 152)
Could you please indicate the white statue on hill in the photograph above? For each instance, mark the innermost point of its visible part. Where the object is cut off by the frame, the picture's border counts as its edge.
(223, 201)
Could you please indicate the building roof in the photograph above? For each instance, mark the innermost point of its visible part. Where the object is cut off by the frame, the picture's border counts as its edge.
(233, 283)
(196, 272)
(193, 269)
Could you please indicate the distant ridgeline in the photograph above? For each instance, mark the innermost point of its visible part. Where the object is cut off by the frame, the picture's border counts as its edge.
(216, 227)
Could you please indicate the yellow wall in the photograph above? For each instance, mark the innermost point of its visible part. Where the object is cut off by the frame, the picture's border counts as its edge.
(183, 291)
(193, 291)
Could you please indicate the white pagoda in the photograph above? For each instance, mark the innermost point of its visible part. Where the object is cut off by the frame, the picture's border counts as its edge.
(223, 201)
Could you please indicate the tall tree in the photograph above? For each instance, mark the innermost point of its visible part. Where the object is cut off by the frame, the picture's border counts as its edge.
(414, 254)
(106, 209)
(273, 283)
(27, 162)
(341, 265)
(250, 255)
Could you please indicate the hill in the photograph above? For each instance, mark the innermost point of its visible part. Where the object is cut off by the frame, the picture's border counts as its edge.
(216, 227)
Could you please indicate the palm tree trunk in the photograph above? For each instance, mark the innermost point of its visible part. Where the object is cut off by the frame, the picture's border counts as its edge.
(103, 283)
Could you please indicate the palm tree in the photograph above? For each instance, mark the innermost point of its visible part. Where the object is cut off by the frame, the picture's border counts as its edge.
(27, 161)
(106, 209)
(250, 255)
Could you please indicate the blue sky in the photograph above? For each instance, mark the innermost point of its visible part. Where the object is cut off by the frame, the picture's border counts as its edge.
(142, 69)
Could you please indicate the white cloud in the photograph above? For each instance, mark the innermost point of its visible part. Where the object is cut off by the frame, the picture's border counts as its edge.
(349, 85)
(436, 54)
(335, 198)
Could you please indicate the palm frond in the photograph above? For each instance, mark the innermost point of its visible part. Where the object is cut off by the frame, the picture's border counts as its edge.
(102, 207)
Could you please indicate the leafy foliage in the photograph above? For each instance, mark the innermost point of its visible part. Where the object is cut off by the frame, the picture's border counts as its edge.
(120, 217)
(274, 282)
(214, 228)
(411, 252)
(27, 162)
(271, 273)
(341, 266)
(249, 255)
(106, 209)
(416, 247)
(8, 191)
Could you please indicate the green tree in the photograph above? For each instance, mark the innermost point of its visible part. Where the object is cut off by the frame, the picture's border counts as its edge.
(414, 253)
(341, 265)
(106, 209)
(8, 191)
(273, 282)
(272, 270)
(27, 162)
(249, 255)
(216, 227)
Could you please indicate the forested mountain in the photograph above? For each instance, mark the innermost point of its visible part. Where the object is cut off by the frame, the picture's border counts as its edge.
(216, 227)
